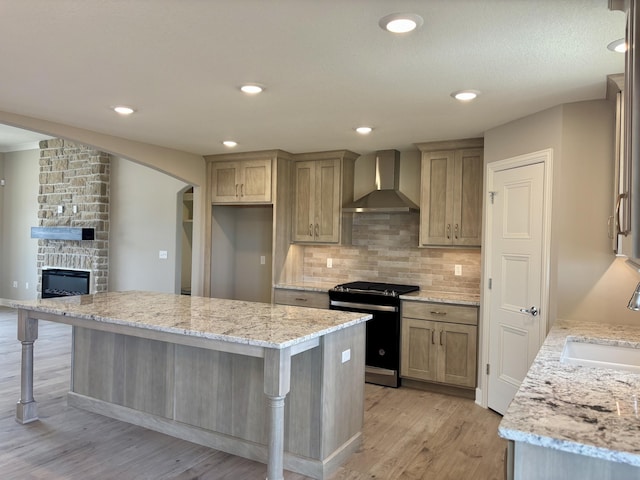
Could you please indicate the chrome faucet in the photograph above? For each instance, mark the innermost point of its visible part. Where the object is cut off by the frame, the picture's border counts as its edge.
(634, 301)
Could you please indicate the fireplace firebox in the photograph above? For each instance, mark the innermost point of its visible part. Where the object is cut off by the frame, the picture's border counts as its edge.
(57, 282)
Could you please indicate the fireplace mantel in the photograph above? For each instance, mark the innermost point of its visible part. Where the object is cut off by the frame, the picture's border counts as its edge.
(63, 233)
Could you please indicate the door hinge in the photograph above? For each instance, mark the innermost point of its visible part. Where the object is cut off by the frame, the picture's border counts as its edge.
(488, 369)
(490, 283)
(493, 196)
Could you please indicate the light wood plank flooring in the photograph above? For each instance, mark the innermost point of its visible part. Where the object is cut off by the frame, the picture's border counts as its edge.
(408, 434)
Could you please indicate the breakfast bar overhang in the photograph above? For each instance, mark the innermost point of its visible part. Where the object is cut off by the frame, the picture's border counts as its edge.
(215, 372)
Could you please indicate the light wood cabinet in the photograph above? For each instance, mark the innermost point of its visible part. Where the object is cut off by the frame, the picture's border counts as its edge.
(451, 197)
(439, 343)
(322, 183)
(244, 181)
(301, 298)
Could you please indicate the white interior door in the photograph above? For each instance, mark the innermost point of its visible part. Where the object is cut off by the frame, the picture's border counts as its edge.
(516, 273)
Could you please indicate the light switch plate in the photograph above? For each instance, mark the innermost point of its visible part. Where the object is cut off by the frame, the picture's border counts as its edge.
(458, 270)
(163, 255)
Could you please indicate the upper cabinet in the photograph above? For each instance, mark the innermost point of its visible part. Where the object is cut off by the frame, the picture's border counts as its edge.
(322, 184)
(620, 220)
(451, 196)
(243, 181)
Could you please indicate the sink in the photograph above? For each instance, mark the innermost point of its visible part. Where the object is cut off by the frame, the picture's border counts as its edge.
(617, 357)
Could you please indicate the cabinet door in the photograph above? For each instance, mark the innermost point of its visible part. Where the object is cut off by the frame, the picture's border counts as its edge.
(457, 358)
(467, 197)
(255, 184)
(419, 349)
(304, 201)
(436, 202)
(327, 202)
(225, 182)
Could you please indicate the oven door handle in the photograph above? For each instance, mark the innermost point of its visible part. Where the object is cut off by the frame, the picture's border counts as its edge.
(364, 306)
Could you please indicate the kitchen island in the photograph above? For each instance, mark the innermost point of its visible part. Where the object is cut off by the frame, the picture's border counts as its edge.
(214, 372)
(575, 422)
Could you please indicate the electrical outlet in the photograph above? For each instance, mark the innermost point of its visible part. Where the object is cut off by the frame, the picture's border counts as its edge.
(14, 284)
(163, 255)
(458, 270)
(263, 260)
(60, 209)
(346, 355)
(26, 285)
(329, 262)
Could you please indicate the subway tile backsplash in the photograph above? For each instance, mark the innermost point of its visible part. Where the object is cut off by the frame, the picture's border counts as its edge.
(384, 249)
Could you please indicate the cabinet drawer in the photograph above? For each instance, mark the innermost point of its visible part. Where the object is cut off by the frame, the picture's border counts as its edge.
(440, 312)
(301, 298)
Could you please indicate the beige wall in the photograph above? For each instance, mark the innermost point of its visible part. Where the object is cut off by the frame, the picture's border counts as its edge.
(18, 213)
(185, 166)
(586, 281)
(144, 215)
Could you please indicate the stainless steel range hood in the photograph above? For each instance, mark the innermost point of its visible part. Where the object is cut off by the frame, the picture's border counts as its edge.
(386, 198)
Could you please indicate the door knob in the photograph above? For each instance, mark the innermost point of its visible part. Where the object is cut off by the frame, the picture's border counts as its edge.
(533, 311)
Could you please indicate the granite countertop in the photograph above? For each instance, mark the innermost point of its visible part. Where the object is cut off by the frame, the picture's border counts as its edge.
(251, 323)
(419, 296)
(577, 409)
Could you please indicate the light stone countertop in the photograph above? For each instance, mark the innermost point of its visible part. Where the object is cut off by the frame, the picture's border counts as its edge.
(454, 298)
(577, 409)
(250, 323)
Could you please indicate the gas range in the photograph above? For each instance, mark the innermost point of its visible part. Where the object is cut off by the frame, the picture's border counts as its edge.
(382, 300)
(375, 288)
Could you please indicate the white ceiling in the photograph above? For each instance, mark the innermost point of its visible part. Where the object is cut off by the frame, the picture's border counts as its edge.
(326, 64)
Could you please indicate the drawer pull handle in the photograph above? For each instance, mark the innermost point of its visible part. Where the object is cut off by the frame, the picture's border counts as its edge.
(433, 341)
(441, 332)
(301, 299)
(436, 312)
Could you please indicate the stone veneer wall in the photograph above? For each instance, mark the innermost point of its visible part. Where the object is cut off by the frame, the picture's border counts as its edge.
(74, 175)
(384, 249)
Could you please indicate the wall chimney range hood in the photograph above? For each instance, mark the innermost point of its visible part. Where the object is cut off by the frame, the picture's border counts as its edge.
(386, 198)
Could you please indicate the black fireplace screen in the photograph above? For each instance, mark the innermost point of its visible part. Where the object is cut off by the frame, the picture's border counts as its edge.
(60, 283)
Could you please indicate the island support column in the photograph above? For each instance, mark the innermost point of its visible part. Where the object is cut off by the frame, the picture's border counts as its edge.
(277, 379)
(26, 409)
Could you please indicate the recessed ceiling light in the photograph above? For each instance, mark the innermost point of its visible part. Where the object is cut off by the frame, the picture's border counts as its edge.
(252, 88)
(465, 95)
(123, 110)
(364, 130)
(230, 143)
(401, 22)
(619, 46)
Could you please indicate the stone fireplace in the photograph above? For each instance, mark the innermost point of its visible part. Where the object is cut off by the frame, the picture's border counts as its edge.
(74, 192)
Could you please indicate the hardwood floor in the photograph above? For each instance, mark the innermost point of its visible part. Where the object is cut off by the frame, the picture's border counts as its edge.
(408, 434)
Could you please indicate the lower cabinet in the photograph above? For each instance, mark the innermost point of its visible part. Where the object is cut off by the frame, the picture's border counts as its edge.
(439, 343)
(301, 298)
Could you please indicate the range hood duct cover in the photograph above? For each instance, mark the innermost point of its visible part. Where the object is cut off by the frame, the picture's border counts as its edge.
(386, 198)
